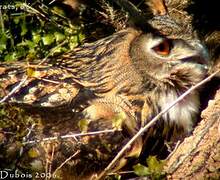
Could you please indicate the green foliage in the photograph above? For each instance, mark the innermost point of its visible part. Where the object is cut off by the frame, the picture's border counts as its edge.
(83, 125)
(141, 170)
(36, 29)
(118, 120)
(154, 168)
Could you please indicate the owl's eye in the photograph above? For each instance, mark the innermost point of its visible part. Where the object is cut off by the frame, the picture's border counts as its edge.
(163, 48)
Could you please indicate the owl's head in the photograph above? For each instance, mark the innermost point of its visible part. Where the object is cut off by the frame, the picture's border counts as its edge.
(170, 60)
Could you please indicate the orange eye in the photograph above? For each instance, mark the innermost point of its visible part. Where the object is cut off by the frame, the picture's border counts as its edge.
(163, 48)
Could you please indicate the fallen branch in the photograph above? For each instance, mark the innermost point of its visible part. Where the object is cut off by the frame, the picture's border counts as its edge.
(68, 159)
(14, 90)
(71, 136)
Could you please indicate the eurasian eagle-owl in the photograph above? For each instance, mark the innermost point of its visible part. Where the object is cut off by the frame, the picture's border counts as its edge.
(131, 75)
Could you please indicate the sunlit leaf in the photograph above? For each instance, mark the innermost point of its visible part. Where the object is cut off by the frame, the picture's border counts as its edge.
(36, 37)
(21, 52)
(59, 36)
(30, 44)
(3, 38)
(31, 55)
(154, 164)
(117, 121)
(2, 47)
(3, 41)
(81, 36)
(48, 39)
(30, 72)
(117, 177)
(10, 57)
(24, 29)
(83, 125)
(58, 50)
(141, 170)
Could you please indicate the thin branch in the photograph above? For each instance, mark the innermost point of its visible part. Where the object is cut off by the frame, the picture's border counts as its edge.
(6, 132)
(50, 81)
(72, 136)
(51, 160)
(68, 159)
(30, 130)
(120, 173)
(46, 168)
(52, 2)
(152, 122)
(16, 88)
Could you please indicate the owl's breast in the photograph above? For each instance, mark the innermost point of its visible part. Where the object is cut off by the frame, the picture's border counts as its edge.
(183, 114)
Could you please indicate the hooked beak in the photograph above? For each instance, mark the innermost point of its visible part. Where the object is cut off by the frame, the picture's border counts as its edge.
(200, 55)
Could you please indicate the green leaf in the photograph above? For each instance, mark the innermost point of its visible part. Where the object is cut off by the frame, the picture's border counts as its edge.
(118, 120)
(21, 52)
(10, 57)
(58, 50)
(2, 47)
(3, 41)
(59, 36)
(73, 42)
(24, 29)
(154, 164)
(117, 177)
(48, 39)
(3, 38)
(30, 44)
(2, 111)
(141, 170)
(31, 54)
(30, 72)
(83, 125)
(36, 37)
(81, 36)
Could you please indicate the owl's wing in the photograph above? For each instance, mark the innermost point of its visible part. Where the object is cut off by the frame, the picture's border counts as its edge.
(57, 81)
(36, 85)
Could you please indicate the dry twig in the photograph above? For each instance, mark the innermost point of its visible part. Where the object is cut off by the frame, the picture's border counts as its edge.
(72, 136)
(14, 90)
(54, 173)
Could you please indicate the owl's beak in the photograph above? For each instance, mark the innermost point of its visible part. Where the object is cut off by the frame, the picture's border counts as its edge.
(197, 59)
(199, 55)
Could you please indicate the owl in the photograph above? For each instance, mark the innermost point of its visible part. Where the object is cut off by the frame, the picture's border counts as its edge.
(120, 82)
